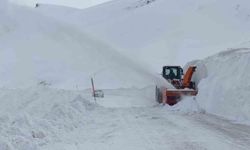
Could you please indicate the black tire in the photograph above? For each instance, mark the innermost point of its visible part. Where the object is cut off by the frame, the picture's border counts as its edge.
(192, 85)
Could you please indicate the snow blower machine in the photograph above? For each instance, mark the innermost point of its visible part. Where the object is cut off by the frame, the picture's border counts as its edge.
(182, 85)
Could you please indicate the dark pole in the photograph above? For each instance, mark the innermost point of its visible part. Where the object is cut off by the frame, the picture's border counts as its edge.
(93, 88)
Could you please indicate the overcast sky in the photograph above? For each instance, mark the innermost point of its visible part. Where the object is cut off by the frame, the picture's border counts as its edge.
(71, 3)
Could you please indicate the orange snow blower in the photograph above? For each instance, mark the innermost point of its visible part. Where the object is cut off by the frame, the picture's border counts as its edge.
(183, 86)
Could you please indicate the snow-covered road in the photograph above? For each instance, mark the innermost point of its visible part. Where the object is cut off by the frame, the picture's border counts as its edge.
(156, 129)
(49, 119)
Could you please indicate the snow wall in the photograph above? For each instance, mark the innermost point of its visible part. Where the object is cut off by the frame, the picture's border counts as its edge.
(224, 86)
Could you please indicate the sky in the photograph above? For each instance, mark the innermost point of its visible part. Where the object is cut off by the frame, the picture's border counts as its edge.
(71, 3)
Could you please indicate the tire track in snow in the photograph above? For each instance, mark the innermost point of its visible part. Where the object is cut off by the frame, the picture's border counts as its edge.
(235, 134)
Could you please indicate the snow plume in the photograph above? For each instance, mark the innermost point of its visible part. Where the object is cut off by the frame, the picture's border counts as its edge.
(225, 90)
(200, 72)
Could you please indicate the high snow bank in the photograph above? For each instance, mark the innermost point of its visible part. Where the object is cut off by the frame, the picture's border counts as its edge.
(33, 118)
(40, 117)
(225, 90)
(37, 49)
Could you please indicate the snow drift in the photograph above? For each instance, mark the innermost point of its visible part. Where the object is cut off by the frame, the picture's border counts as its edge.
(37, 117)
(224, 87)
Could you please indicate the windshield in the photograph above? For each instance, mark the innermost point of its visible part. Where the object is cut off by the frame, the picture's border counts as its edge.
(172, 72)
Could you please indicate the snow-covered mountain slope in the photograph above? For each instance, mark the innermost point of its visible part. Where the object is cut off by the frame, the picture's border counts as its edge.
(35, 48)
(170, 32)
(224, 85)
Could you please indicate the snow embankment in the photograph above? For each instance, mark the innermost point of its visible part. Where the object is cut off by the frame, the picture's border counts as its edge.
(39, 116)
(224, 91)
(44, 118)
